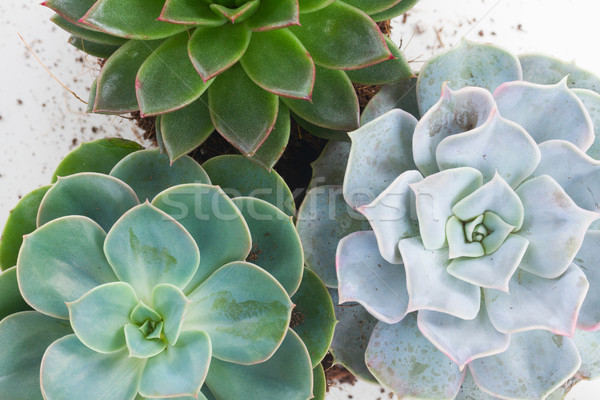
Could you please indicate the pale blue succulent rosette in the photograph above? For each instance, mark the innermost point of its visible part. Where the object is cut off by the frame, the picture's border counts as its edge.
(152, 282)
(471, 262)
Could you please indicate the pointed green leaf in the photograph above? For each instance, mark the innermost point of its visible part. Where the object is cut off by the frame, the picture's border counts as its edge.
(373, 6)
(98, 317)
(21, 221)
(323, 133)
(385, 72)
(226, 172)
(70, 369)
(72, 10)
(116, 83)
(307, 6)
(92, 48)
(214, 222)
(133, 19)
(143, 313)
(245, 311)
(313, 317)
(87, 34)
(190, 12)
(141, 346)
(149, 172)
(213, 50)
(237, 14)
(241, 111)
(279, 63)
(11, 300)
(286, 375)
(274, 145)
(167, 80)
(97, 156)
(319, 382)
(170, 302)
(92, 96)
(180, 370)
(334, 104)
(147, 247)
(60, 262)
(342, 37)
(29, 334)
(184, 130)
(394, 11)
(274, 14)
(99, 197)
(276, 246)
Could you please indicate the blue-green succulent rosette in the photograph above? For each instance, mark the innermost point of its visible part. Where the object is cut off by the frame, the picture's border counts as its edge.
(152, 282)
(471, 258)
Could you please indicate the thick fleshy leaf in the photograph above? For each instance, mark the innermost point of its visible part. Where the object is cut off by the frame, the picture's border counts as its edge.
(351, 337)
(401, 95)
(190, 12)
(72, 10)
(588, 344)
(99, 197)
(92, 48)
(313, 318)
(140, 345)
(554, 225)
(426, 269)
(448, 334)
(535, 364)
(99, 316)
(456, 112)
(373, 6)
(242, 112)
(394, 11)
(392, 215)
(276, 246)
(274, 145)
(286, 375)
(591, 102)
(60, 262)
(320, 132)
(236, 14)
(323, 219)
(499, 146)
(547, 70)
(170, 302)
(29, 334)
(319, 382)
(381, 151)
(116, 92)
(226, 172)
(587, 259)
(458, 241)
(149, 172)
(278, 62)
(180, 370)
(132, 19)
(435, 197)
(470, 391)
(341, 37)
(214, 222)
(274, 14)
(21, 221)
(468, 64)
(69, 369)
(213, 50)
(245, 311)
(538, 303)
(563, 115)
(333, 105)
(97, 156)
(87, 34)
(576, 172)
(403, 360)
(492, 270)
(184, 130)
(307, 6)
(147, 247)
(330, 167)
(167, 80)
(365, 277)
(385, 72)
(496, 196)
(11, 300)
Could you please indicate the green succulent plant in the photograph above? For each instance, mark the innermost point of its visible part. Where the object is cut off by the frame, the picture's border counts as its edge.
(236, 66)
(471, 259)
(188, 294)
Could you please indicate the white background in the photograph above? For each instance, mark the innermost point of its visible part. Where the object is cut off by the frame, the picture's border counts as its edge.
(40, 121)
